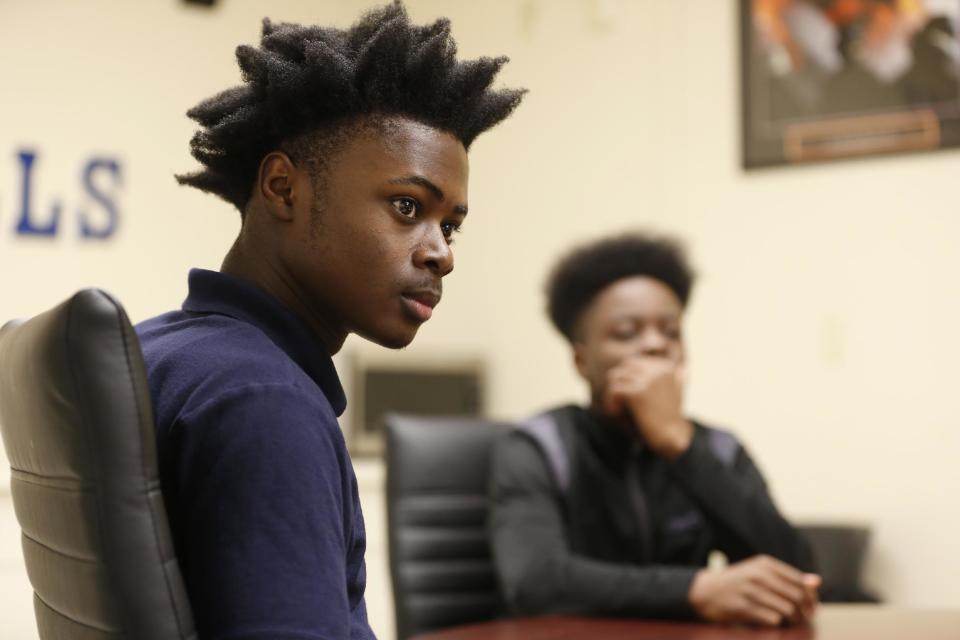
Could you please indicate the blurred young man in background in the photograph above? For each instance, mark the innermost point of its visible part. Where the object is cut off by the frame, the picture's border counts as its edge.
(614, 508)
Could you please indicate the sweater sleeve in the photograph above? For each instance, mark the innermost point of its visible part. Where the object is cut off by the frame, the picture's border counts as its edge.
(735, 498)
(539, 573)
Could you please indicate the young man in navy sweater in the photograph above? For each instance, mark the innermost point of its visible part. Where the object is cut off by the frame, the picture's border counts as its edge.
(345, 152)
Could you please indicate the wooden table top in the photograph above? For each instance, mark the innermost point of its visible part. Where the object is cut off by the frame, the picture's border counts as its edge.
(833, 622)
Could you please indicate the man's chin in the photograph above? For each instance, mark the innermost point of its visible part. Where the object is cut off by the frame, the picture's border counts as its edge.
(392, 339)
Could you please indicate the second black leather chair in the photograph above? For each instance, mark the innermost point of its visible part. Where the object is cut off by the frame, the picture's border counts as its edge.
(437, 470)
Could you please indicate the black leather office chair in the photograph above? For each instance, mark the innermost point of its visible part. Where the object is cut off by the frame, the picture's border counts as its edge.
(77, 424)
(840, 551)
(437, 470)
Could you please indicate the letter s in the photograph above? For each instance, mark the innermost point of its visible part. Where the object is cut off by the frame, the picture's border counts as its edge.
(109, 226)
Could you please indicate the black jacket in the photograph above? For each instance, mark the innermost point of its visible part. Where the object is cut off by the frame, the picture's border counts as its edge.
(621, 531)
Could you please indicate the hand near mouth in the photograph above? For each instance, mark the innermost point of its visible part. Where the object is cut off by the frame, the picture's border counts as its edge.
(650, 389)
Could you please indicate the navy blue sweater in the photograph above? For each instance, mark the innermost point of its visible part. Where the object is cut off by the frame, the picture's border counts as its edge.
(258, 484)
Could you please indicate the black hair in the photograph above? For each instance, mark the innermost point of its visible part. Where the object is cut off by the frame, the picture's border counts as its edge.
(305, 79)
(580, 275)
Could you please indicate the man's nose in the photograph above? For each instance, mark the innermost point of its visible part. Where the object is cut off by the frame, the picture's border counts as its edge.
(653, 343)
(434, 253)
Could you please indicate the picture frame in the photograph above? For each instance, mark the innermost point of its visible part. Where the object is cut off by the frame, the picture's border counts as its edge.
(426, 384)
(831, 79)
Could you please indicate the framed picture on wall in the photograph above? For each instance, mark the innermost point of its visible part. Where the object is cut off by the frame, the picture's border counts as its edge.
(827, 79)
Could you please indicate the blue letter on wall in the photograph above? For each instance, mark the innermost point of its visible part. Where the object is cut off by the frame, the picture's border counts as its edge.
(26, 226)
(109, 225)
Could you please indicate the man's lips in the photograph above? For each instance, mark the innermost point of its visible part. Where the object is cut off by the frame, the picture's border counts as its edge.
(420, 303)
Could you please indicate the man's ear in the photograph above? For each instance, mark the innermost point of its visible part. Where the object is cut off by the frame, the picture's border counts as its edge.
(579, 359)
(277, 185)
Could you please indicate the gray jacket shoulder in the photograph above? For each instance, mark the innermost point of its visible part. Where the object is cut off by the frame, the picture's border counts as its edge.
(546, 431)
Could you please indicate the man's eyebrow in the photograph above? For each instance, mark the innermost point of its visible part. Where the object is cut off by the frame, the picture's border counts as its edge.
(659, 317)
(437, 192)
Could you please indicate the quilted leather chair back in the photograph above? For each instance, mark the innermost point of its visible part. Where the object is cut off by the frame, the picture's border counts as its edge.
(77, 424)
(437, 470)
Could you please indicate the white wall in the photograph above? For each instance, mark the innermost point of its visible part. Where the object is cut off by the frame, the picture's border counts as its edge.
(823, 326)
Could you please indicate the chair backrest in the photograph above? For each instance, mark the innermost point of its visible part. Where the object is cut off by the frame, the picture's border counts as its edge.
(840, 551)
(77, 425)
(437, 470)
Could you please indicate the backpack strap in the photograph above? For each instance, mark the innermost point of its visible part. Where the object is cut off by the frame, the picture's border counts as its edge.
(544, 430)
(723, 444)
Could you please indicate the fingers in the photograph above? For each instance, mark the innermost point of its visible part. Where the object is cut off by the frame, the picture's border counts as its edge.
(616, 395)
(623, 384)
(783, 587)
(644, 364)
(811, 583)
(753, 612)
(783, 569)
(771, 601)
(798, 589)
(759, 591)
(779, 577)
(637, 375)
(613, 402)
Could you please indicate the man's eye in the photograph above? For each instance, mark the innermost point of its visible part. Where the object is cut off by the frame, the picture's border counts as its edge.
(448, 229)
(670, 331)
(407, 207)
(624, 332)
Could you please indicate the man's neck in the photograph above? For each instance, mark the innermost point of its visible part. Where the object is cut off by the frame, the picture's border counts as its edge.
(250, 265)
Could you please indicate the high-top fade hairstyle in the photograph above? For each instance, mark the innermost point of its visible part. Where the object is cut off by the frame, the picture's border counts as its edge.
(305, 80)
(584, 272)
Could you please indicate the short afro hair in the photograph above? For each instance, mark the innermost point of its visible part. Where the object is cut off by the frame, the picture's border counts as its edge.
(584, 272)
(307, 78)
